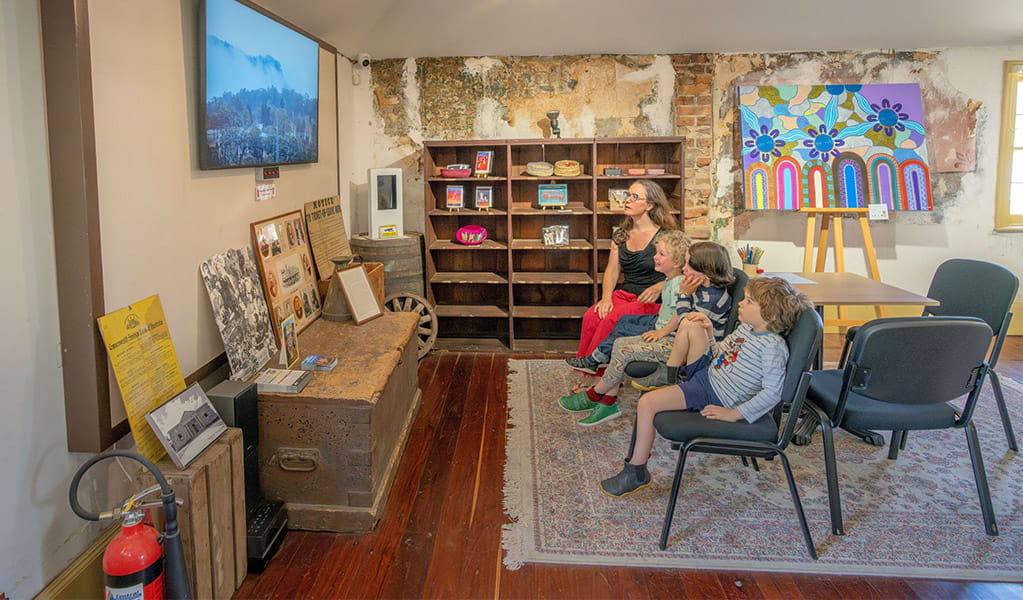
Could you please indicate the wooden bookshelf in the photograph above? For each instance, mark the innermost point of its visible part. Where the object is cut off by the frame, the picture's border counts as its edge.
(513, 293)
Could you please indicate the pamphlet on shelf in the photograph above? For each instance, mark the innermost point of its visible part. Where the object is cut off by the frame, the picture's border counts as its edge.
(281, 381)
(315, 362)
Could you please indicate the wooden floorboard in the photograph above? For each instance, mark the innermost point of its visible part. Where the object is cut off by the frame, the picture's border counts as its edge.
(440, 533)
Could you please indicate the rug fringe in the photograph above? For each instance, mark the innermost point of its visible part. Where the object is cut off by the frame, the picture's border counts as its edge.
(518, 449)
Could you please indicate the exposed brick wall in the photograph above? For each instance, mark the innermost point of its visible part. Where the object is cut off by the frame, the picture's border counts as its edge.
(694, 117)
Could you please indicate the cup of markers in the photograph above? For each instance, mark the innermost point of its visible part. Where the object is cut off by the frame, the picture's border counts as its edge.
(750, 257)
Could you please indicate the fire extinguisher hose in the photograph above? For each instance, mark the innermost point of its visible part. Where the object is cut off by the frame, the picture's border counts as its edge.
(177, 585)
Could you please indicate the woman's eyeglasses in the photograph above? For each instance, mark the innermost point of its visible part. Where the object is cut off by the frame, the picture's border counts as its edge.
(633, 197)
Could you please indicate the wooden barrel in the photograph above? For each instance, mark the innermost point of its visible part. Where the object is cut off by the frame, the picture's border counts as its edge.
(402, 259)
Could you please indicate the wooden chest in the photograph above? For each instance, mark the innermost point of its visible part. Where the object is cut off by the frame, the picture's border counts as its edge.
(331, 451)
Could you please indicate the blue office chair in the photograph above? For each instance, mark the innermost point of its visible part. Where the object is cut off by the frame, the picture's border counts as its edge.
(901, 375)
(972, 288)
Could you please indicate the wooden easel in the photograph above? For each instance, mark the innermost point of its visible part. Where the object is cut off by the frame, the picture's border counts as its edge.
(819, 244)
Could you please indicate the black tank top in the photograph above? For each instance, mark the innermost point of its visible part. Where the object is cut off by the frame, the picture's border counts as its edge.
(638, 267)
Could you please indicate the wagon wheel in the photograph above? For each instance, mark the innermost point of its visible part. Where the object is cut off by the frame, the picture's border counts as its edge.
(408, 302)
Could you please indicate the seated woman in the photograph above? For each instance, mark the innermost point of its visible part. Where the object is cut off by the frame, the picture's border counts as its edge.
(647, 212)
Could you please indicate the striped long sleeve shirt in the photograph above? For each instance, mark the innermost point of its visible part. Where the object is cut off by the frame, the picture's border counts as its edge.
(747, 371)
(713, 301)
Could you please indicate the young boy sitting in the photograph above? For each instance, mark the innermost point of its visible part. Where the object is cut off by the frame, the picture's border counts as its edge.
(709, 267)
(629, 325)
(738, 378)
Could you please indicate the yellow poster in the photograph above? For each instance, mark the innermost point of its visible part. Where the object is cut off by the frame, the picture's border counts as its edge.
(145, 365)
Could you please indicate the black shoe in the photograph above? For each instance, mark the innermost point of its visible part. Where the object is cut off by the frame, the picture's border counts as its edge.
(631, 479)
(586, 364)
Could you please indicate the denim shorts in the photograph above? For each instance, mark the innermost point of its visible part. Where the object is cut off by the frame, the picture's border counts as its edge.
(697, 388)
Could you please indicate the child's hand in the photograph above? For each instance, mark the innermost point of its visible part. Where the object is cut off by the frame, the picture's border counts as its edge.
(690, 283)
(700, 319)
(652, 336)
(720, 413)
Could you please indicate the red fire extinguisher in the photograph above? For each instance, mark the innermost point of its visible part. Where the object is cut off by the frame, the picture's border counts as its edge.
(134, 564)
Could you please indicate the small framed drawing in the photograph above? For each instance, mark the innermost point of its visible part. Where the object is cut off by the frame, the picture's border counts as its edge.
(555, 235)
(289, 339)
(552, 194)
(455, 197)
(362, 302)
(616, 199)
(186, 425)
(484, 198)
(484, 158)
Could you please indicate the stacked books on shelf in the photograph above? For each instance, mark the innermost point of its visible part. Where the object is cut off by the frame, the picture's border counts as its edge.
(281, 381)
(315, 362)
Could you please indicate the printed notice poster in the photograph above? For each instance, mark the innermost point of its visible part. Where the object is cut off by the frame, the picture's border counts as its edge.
(145, 365)
(326, 234)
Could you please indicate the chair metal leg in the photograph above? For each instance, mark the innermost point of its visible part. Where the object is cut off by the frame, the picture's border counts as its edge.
(831, 469)
(673, 497)
(632, 442)
(905, 436)
(756, 467)
(996, 385)
(898, 441)
(799, 506)
(980, 477)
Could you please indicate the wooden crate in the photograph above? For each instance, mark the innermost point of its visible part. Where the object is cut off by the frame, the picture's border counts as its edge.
(212, 518)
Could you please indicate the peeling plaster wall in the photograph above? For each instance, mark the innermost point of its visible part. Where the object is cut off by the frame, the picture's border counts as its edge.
(416, 99)
(961, 90)
(407, 101)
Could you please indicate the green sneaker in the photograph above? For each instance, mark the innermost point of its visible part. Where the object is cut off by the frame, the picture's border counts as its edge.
(577, 402)
(601, 413)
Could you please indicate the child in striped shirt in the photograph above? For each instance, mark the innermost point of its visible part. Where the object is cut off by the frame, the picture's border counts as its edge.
(739, 378)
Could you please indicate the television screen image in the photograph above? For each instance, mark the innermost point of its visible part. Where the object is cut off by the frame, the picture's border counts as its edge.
(260, 90)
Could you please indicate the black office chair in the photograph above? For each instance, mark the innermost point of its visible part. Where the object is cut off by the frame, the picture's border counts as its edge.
(901, 375)
(973, 288)
(689, 431)
(638, 369)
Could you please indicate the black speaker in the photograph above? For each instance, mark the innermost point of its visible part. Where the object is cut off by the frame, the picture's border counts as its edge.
(266, 520)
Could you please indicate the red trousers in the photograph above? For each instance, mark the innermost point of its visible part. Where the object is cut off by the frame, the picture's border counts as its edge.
(595, 329)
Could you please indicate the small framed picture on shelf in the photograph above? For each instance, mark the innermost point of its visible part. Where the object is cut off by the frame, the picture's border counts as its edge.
(552, 194)
(616, 199)
(555, 235)
(455, 197)
(484, 198)
(484, 158)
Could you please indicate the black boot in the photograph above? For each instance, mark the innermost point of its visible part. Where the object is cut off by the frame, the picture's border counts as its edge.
(677, 375)
(631, 479)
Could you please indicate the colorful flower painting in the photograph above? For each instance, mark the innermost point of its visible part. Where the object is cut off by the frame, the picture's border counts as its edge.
(834, 146)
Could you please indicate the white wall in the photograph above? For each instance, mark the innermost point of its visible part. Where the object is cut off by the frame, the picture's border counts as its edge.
(911, 246)
(38, 533)
(160, 217)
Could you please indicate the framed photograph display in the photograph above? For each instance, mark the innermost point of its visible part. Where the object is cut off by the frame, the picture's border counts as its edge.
(186, 425)
(616, 199)
(552, 194)
(455, 197)
(362, 302)
(555, 235)
(484, 198)
(484, 158)
(289, 345)
(289, 279)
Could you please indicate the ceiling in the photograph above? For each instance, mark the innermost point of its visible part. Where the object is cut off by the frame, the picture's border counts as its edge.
(404, 28)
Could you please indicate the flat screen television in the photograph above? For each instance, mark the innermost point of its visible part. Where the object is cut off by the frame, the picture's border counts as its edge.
(259, 89)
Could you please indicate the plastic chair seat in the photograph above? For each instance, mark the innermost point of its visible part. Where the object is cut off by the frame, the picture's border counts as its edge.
(866, 413)
(684, 425)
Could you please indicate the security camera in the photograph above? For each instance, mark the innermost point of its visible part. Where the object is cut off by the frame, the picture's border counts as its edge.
(363, 60)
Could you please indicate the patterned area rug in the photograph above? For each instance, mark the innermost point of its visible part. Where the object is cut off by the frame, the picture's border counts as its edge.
(914, 517)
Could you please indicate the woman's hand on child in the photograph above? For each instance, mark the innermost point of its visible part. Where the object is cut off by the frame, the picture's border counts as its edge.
(603, 307)
(720, 413)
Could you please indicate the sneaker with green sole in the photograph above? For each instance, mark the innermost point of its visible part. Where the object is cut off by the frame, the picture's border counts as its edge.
(601, 413)
(577, 402)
